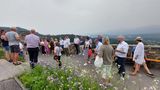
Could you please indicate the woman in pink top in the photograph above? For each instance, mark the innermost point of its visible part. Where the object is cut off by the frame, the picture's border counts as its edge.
(47, 49)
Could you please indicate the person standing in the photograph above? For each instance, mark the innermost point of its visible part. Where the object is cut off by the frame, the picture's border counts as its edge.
(13, 39)
(106, 52)
(42, 47)
(52, 46)
(66, 46)
(57, 54)
(98, 45)
(82, 42)
(121, 55)
(47, 47)
(86, 48)
(76, 44)
(61, 41)
(33, 42)
(5, 45)
(139, 57)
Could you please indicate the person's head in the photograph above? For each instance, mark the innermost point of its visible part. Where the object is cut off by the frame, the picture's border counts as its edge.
(33, 31)
(138, 39)
(82, 37)
(58, 44)
(87, 38)
(13, 29)
(106, 41)
(56, 40)
(65, 37)
(120, 38)
(96, 41)
(2, 32)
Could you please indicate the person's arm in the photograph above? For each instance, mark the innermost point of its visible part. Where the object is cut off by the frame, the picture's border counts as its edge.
(120, 51)
(17, 36)
(113, 53)
(6, 37)
(124, 49)
(100, 54)
(137, 52)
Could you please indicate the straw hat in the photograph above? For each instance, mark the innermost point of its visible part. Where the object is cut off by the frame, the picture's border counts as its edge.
(138, 38)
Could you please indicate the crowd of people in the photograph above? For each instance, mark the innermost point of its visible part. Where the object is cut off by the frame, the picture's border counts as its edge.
(33, 44)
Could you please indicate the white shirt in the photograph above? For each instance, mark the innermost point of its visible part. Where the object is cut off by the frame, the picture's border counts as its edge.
(139, 53)
(87, 43)
(21, 46)
(57, 51)
(76, 41)
(66, 43)
(61, 42)
(68, 40)
(98, 47)
(123, 46)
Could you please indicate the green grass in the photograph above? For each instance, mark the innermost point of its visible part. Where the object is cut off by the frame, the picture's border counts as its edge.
(21, 58)
(41, 78)
(1, 54)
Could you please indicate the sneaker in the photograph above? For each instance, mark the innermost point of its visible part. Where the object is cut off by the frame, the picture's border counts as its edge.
(122, 78)
(89, 62)
(32, 65)
(109, 85)
(150, 75)
(85, 64)
(10, 61)
(123, 74)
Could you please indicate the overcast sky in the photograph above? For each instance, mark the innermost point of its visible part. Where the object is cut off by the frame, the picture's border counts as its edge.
(79, 16)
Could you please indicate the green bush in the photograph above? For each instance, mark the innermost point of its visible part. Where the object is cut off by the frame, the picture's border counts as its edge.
(41, 78)
(1, 54)
(21, 58)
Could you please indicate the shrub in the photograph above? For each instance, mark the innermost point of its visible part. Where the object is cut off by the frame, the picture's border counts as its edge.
(41, 78)
(1, 54)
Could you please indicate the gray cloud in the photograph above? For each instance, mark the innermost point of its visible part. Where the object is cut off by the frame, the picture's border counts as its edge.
(79, 16)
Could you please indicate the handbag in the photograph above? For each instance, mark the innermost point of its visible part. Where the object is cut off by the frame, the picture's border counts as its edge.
(98, 62)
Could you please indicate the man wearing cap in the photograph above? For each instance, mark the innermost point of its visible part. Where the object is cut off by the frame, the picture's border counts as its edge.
(139, 56)
(32, 42)
(13, 39)
(121, 54)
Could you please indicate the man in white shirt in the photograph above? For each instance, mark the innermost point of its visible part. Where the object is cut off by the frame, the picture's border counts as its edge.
(76, 44)
(61, 41)
(121, 54)
(66, 46)
(139, 57)
(32, 41)
(98, 45)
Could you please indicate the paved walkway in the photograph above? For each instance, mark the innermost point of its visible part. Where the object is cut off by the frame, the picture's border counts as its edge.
(8, 70)
(139, 82)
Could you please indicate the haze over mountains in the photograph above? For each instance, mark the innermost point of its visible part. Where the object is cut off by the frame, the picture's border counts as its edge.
(151, 34)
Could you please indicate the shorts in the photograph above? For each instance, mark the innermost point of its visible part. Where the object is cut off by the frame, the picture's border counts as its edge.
(6, 48)
(15, 49)
(57, 57)
(106, 71)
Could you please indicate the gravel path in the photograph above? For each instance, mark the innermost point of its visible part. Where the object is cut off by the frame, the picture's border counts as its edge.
(139, 82)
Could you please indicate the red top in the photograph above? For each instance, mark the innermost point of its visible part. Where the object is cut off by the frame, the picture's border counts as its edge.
(89, 52)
